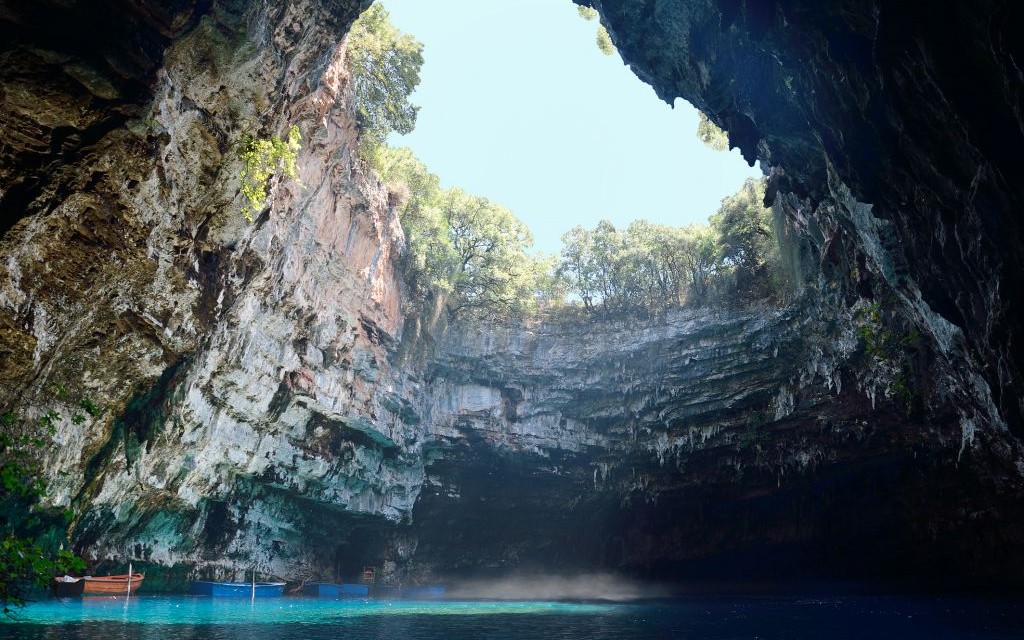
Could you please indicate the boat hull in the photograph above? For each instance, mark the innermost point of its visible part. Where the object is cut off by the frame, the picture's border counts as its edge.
(351, 590)
(236, 589)
(335, 590)
(433, 592)
(389, 592)
(116, 585)
(321, 589)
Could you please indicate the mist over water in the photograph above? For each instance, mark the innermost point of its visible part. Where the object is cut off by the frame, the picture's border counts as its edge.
(599, 586)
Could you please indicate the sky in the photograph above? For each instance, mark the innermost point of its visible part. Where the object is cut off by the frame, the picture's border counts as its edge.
(518, 105)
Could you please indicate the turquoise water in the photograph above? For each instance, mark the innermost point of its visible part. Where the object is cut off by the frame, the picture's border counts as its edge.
(193, 618)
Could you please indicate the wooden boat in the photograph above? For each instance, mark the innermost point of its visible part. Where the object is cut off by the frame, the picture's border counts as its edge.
(116, 585)
(236, 589)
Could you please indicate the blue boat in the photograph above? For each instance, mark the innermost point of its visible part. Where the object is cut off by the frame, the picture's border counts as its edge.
(352, 590)
(236, 589)
(335, 590)
(433, 592)
(321, 589)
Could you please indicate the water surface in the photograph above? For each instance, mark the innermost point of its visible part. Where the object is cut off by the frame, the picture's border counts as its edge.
(192, 618)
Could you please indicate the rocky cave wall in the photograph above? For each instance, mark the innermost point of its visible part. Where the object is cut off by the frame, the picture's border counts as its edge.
(889, 128)
(264, 405)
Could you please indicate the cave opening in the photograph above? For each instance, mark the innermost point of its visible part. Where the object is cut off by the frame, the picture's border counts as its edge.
(519, 198)
(518, 104)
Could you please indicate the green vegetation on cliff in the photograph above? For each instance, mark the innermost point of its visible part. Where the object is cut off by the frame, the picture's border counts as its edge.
(32, 537)
(652, 267)
(261, 159)
(385, 66)
(462, 247)
(603, 38)
(710, 134)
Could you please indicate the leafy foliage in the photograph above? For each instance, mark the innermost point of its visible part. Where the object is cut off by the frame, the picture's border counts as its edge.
(428, 246)
(31, 537)
(461, 246)
(603, 38)
(888, 351)
(747, 246)
(649, 267)
(604, 41)
(261, 159)
(710, 134)
(385, 66)
(490, 270)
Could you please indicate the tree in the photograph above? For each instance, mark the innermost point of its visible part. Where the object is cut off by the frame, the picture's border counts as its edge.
(578, 266)
(385, 66)
(463, 247)
(491, 272)
(699, 258)
(746, 243)
(429, 252)
(31, 537)
(710, 134)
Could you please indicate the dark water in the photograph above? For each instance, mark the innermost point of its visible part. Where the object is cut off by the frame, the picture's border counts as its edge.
(179, 618)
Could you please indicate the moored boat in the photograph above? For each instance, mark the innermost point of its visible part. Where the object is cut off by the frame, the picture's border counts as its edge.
(335, 590)
(431, 592)
(321, 589)
(116, 585)
(352, 590)
(67, 586)
(236, 589)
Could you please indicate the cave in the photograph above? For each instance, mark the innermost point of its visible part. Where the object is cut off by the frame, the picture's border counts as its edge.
(299, 419)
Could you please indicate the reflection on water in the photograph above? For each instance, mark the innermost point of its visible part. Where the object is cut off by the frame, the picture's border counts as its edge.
(185, 610)
(188, 618)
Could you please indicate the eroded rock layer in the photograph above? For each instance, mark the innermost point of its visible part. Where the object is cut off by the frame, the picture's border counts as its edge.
(260, 398)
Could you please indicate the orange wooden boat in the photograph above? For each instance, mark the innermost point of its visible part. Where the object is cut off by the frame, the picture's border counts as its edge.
(98, 585)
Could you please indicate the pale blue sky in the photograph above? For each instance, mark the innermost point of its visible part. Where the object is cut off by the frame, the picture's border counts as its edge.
(519, 105)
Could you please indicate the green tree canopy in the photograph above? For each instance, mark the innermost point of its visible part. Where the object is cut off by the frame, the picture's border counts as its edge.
(746, 243)
(710, 134)
(491, 270)
(648, 266)
(461, 246)
(385, 66)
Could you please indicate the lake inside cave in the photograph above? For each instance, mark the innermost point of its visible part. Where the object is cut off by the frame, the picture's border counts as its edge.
(181, 617)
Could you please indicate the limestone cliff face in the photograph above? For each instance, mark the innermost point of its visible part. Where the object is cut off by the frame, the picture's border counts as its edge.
(262, 405)
(227, 357)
